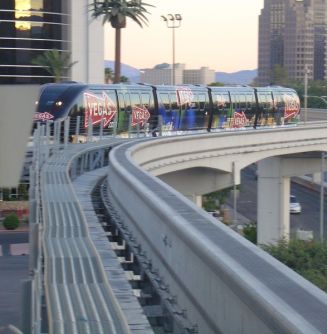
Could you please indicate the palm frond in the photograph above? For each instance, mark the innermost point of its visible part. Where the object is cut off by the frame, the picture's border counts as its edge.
(54, 62)
(113, 10)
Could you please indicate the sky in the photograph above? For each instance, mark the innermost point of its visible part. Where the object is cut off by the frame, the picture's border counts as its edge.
(219, 34)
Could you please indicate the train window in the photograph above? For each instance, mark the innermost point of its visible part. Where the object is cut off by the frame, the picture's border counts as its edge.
(204, 109)
(164, 100)
(121, 102)
(242, 102)
(135, 100)
(78, 107)
(266, 115)
(192, 117)
(146, 100)
(123, 115)
(250, 100)
(279, 104)
(236, 99)
(127, 101)
(251, 109)
(169, 111)
(221, 116)
(174, 103)
(202, 102)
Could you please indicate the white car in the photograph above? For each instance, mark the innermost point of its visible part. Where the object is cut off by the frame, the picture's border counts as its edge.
(295, 206)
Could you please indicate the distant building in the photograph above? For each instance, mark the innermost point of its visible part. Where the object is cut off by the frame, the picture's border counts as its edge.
(293, 34)
(203, 76)
(28, 28)
(162, 74)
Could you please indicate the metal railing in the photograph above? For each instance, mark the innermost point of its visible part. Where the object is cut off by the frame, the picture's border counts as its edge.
(67, 281)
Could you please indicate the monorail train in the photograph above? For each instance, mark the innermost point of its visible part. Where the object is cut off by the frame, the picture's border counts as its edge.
(185, 107)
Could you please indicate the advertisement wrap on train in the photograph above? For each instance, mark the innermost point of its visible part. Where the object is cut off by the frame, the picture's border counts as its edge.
(124, 107)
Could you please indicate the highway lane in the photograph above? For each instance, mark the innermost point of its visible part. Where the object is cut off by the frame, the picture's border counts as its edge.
(315, 114)
(309, 219)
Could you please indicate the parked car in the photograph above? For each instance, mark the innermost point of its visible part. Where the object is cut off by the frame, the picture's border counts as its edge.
(214, 213)
(295, 206)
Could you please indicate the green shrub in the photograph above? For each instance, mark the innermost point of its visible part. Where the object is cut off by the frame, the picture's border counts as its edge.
(11, 222)
(250, 232)
(309, 259)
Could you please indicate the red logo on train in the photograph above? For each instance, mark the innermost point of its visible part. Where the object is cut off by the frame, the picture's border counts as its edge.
(98, 108)
(184, 96)
(140, 115)
(42, 116)
(239, 120)
(292, 106)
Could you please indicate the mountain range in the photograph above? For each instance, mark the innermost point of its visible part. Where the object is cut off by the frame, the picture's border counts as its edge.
(244, 77)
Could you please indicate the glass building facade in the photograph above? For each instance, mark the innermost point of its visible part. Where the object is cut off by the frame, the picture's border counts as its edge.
(293, 34)
(28, 28)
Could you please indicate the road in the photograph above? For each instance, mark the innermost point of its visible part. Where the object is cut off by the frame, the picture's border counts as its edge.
(315, 114)
(13, 237)
(309, 219)
(13, 269)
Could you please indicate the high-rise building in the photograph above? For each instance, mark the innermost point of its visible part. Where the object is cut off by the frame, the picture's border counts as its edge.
(292, 34)
(28, 28)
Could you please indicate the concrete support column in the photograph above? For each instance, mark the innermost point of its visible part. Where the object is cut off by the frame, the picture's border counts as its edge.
(316, 177)
(198, 200)
(273, 202)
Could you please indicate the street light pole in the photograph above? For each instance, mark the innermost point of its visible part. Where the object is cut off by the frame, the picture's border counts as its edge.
(322, 180)
(305, 94)
(173, 21)
(322, 186)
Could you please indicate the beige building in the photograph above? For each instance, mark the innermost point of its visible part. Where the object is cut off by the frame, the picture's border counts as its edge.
(162, 75)
(203, 76)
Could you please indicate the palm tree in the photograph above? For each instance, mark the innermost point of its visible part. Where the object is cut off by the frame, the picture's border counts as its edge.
(116, 12)
(108, 75)
(55, 62)
(124, 79)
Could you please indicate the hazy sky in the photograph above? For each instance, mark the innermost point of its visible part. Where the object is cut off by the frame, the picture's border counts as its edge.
(220, 34)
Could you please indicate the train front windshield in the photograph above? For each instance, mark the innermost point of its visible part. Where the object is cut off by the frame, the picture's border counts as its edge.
(48, 97)
(55, 101)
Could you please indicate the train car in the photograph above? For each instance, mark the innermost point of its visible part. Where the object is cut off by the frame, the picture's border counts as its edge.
(242, 107)
(122, 107)
(125, 108)
(183, 108)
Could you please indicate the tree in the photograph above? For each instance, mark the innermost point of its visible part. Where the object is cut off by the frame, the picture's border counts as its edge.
(309, 259)
(279, 75)
(108, 75)
(217, 84)
(115, 12)
(124, 79)
(55, 62)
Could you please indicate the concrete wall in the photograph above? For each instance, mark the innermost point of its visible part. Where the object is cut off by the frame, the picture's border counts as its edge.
(87, 36)
(222, 282)
(16, 111)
